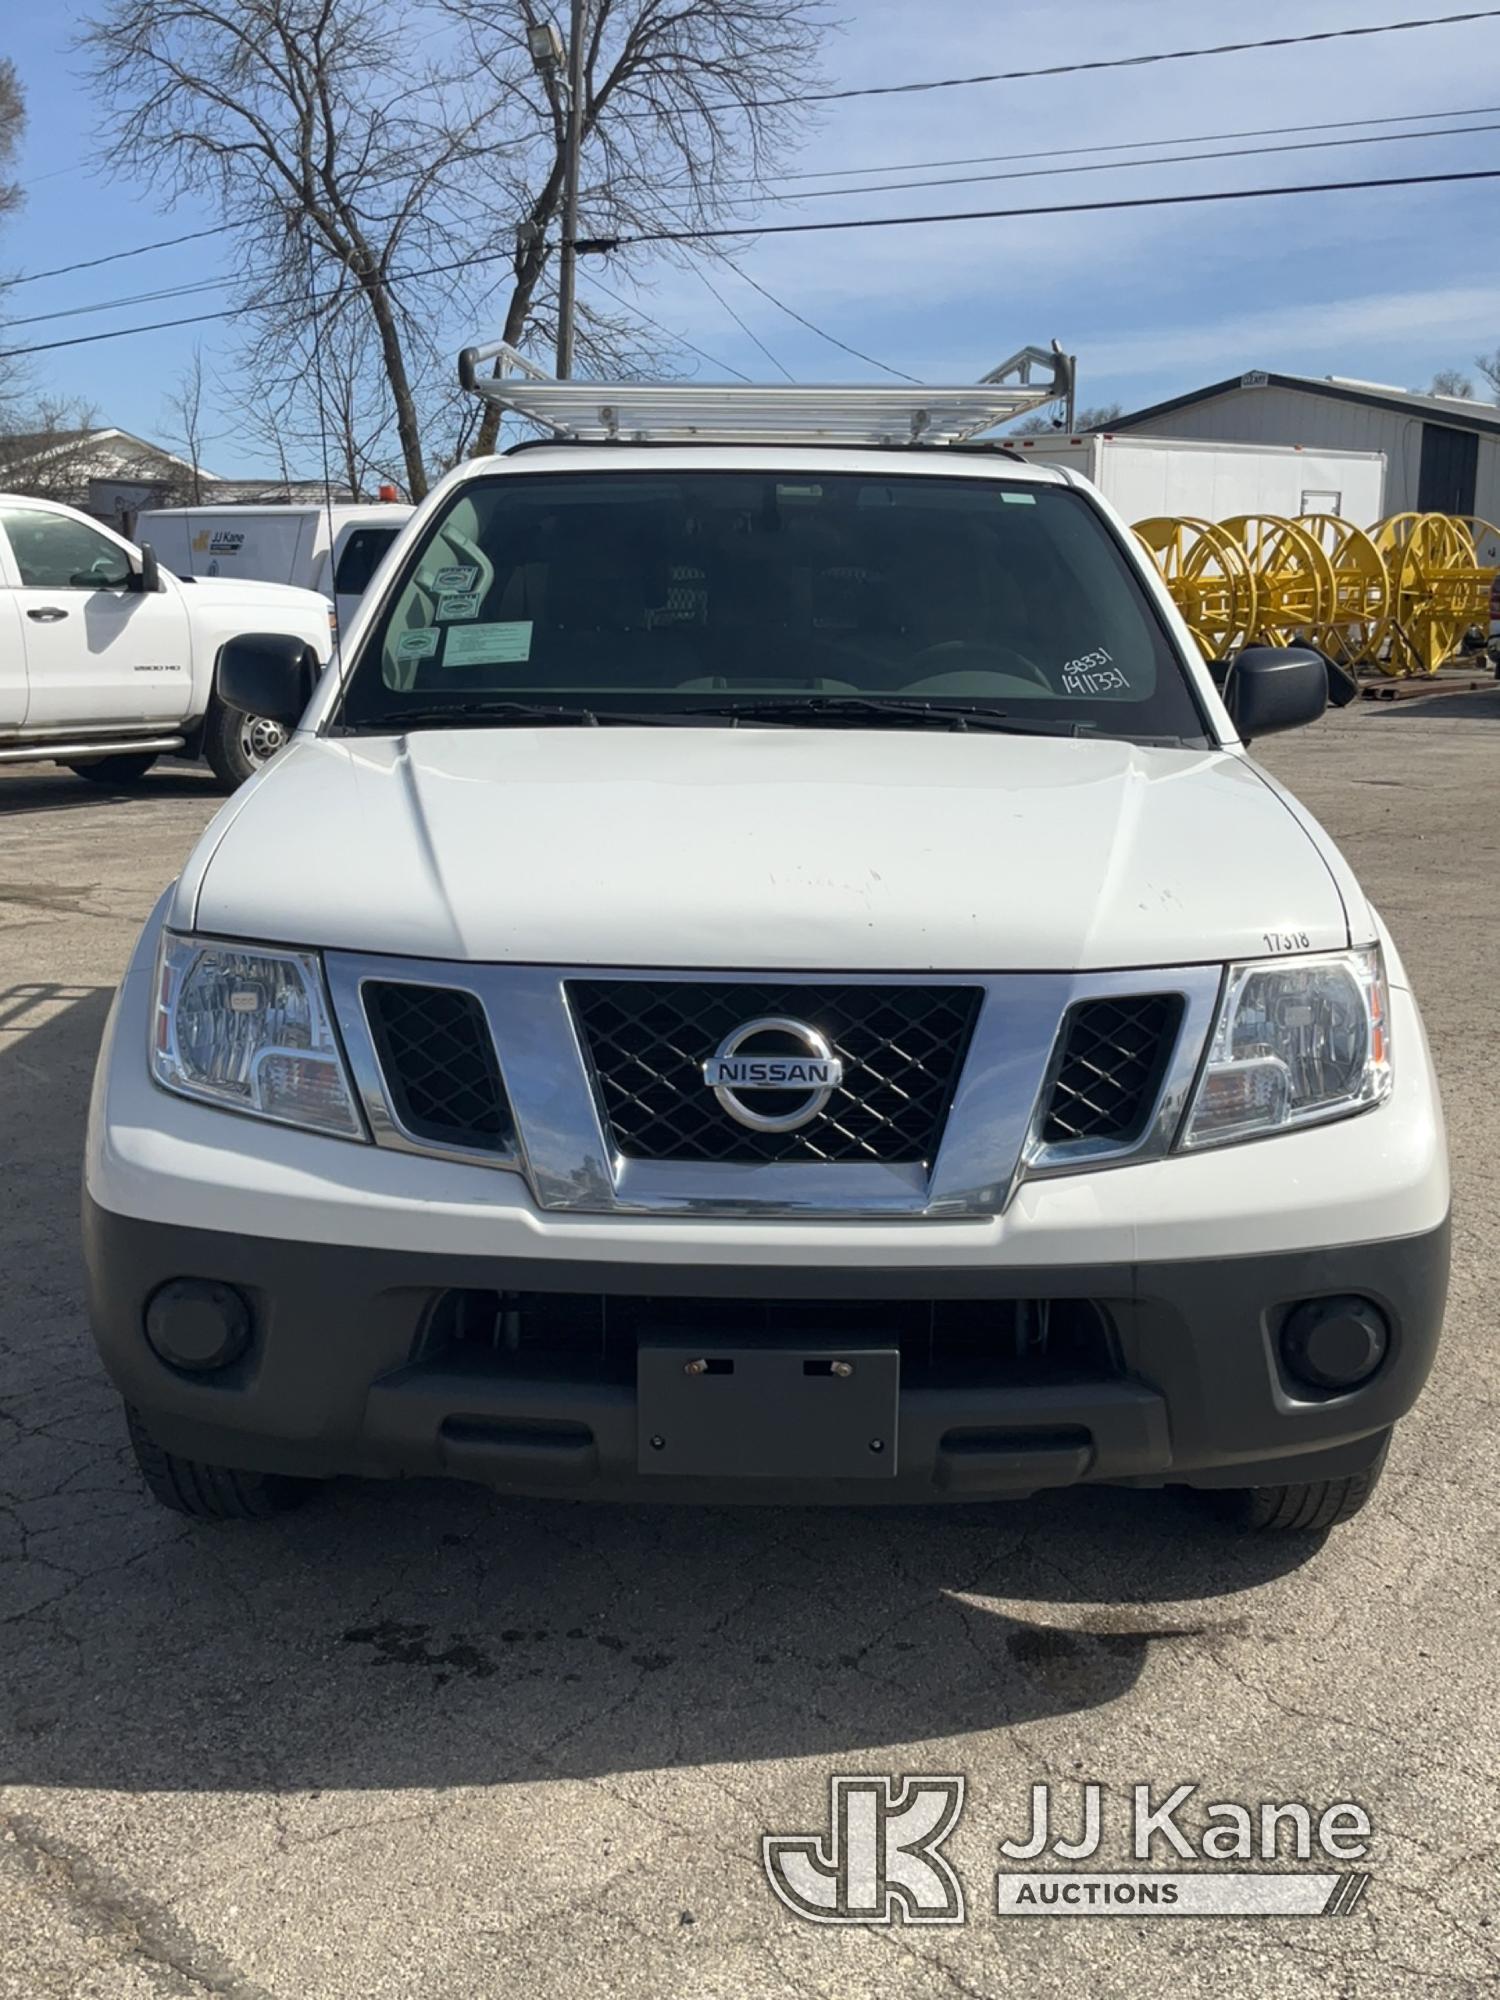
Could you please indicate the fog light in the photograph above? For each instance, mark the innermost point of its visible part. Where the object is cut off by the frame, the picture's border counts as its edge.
(197, 1323)
(1335, 1343)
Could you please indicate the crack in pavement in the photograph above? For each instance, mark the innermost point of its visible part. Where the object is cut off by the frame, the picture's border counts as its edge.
(131, 1924)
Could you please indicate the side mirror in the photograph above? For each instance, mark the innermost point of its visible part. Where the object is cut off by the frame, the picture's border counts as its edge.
(269, 674)
(1275, 687)
(148, 577)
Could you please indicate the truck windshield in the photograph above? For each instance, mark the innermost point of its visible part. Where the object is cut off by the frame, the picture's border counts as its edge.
(801, 596)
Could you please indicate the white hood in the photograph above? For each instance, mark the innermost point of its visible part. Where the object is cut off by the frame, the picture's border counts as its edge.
(250, 590)
(885, 850)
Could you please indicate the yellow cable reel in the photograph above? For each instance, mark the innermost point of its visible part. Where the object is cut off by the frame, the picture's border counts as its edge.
(1295, 593)
(1208, 577)
(1361, 589)
(1435, 589)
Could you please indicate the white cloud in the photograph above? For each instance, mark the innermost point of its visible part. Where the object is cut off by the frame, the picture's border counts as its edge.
(1459, 317)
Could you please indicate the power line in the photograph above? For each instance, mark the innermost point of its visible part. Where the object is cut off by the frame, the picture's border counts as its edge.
(678, 339)
(748, 332)
(597, 245)
(1047, 153)
(213, 284)
(1112, 166)
(602, 244)
(1108, 62)
(1126, 145)
(782, 306)
(118, 256)
(126, 299)
(822, 332)
(214, 229)
(123, 332)
(272, 305)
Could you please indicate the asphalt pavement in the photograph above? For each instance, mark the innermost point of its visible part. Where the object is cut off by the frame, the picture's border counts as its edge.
(417, 1739)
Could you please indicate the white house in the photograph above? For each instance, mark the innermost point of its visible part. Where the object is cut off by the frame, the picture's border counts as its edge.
(100, 468)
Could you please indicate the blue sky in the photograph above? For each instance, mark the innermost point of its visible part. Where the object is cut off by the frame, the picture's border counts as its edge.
(1385, 285)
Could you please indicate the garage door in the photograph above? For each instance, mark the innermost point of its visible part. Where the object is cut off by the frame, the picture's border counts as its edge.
(1450, 460)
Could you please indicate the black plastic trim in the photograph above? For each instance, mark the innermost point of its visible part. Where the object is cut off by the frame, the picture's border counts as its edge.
(331, 1387)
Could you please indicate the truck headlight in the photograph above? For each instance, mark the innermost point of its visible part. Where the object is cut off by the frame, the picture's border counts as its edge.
(250, 1030)
(1294, 1043)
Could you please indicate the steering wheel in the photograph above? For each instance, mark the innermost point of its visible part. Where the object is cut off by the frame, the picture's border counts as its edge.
(999, 659)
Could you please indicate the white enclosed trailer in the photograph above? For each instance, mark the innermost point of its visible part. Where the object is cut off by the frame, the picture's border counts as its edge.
(1143, 477)
(333, 549)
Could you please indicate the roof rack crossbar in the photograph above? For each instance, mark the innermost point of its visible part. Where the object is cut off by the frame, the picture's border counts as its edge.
(853, 414)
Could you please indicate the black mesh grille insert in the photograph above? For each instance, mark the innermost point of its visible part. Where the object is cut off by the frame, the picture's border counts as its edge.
(1115, 1054)
(902, 1048)
(592, 1337)
(439, 1064)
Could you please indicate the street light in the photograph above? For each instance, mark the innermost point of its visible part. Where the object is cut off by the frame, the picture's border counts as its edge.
(545, 46)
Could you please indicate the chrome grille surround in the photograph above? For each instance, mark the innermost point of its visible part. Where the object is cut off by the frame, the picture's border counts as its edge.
(992, 1141)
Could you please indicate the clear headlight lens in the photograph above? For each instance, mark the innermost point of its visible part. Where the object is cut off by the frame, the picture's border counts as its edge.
(1293, 1044)
(250, 1030)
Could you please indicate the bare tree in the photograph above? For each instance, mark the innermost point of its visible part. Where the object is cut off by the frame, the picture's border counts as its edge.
(1489, 367)
(185, 413)
(684, 107)
(12, 125)
(400, 161)
(1098, 417)
(262, 404)
(48, 450)
(342, 152)
(1451, 382)
(315, 392)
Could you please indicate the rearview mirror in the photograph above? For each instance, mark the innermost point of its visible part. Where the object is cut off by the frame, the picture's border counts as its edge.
(1269, 688)
(148, 577)
(267, 673)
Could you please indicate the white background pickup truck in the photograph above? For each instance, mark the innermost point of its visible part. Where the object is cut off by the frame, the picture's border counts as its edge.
(107, 661)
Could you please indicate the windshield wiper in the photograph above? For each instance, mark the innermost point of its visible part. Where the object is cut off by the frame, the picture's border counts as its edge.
(813, 710)
(904, 710)
(503, 710)
(465, 714)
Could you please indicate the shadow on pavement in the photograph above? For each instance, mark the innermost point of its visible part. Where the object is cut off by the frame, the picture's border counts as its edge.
(1483, 705)
(426, 1634)
(32, 789)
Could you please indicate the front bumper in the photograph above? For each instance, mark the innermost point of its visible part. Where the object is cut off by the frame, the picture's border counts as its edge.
(342, 1377)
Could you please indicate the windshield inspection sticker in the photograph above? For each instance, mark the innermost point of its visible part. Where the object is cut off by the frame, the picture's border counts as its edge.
(458, 577)
(1094, 673)
(458, 604)
(421, 644)
(488, 645)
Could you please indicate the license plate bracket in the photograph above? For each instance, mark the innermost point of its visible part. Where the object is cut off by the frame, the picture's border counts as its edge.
(768, 1412)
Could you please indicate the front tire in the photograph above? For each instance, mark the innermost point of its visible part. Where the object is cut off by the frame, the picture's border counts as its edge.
(209, 1492)
(237, 745)
(116, 772)
(1305, 1507)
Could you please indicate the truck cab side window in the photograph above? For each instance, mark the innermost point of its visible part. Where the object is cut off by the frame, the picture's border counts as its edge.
(53, 552)
(360, 557)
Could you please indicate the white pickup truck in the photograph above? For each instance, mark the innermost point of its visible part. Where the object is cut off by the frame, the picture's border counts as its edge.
(108, 661)
(768, 974)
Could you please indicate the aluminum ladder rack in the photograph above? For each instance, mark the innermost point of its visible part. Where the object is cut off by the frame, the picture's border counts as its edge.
(731, 413)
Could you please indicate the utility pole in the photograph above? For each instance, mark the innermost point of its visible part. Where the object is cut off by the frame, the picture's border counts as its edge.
(568, 267)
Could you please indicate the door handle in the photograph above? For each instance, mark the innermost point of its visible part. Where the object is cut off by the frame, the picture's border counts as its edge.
(47, 614)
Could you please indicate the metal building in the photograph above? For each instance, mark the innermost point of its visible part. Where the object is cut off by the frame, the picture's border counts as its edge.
(1442, 452)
